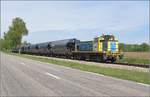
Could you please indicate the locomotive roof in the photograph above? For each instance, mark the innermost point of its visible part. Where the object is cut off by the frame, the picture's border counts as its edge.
(108, 38)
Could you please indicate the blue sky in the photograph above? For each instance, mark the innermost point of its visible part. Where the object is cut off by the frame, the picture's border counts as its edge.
(55, 20)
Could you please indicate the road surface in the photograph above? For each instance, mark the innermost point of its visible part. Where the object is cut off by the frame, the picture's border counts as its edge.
(25, 77)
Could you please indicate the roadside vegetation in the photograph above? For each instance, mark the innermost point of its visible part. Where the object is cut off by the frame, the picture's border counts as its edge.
(137, 76)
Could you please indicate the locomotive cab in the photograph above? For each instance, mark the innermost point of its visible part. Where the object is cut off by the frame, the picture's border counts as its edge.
(107, 45)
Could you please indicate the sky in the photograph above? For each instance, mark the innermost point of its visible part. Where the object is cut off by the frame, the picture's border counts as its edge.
(84, 20)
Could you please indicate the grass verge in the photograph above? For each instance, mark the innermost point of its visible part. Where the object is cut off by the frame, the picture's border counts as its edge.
(142, 77)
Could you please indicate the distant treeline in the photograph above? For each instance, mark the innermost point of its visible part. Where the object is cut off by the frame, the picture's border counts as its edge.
(144, 47)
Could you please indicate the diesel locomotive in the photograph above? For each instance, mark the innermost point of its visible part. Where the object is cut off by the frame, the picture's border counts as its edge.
(103, 48)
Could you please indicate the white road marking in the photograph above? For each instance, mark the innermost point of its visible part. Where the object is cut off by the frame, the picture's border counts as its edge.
(54, 76)
(94, 73)
(23, 63)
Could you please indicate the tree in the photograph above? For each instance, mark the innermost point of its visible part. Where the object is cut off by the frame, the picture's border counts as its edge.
(134, 47)
(1, 43)
(15, 33)
(18, 30)
(145, 47)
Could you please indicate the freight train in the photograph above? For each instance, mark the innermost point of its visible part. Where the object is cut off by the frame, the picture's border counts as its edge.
(103, 48)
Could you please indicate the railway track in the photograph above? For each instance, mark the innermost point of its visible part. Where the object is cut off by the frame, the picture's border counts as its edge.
(124, 64)
(128, 64)
(135, 65)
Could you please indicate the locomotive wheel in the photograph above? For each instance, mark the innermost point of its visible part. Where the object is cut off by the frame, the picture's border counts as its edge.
(113, 60)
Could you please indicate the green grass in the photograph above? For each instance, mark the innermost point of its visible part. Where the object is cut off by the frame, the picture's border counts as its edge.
(142, 77)
(135, 61)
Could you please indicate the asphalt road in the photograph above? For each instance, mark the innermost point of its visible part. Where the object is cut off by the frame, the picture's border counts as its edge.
(25, 77)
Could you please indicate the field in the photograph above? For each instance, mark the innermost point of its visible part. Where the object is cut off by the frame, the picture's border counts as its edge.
(142, 55)
(136, 58)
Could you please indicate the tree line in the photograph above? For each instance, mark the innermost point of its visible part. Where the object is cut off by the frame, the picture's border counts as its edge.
(144, 47)
(13, 37)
